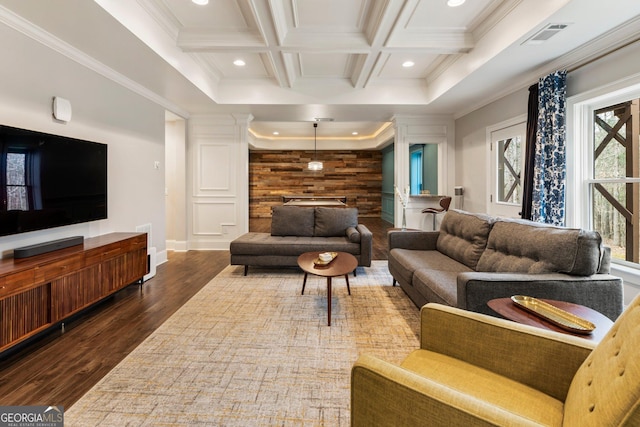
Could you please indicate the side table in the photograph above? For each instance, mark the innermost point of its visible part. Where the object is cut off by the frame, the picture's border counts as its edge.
(509, 310)
(343, 264)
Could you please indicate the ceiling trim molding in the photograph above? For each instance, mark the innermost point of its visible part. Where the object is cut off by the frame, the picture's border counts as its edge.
(335, 42)
(202, 40)
(47, 39)
(597, 48)
(163, 17)
(450, 41)
(212, 70)
(493, 15)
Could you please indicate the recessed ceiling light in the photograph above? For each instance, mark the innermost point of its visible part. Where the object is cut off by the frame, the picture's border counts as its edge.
(455, 3)
(239, 63)
(276, 133)
(408, 64)
(201, 2)
(354, 133)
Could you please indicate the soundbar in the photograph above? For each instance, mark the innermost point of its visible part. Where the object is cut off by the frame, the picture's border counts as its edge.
(41, 248)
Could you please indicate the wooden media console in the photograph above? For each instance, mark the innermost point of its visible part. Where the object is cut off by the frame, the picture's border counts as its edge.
(38, 292)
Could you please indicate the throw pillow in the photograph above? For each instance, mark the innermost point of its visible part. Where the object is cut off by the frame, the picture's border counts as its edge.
(292, 221)
(333, 222)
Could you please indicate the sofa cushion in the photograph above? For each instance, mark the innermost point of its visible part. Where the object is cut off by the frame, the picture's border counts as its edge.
(259, 244)
(463, 236)
(405, 262)
(437, 285)
(292, 221)
(519, 246)
(333, 222)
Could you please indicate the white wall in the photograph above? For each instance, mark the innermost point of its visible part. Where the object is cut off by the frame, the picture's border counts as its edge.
(471, 146)
(176, 186)
(133, 127)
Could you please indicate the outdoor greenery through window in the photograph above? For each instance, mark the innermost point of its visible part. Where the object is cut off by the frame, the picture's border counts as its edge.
(616, 179)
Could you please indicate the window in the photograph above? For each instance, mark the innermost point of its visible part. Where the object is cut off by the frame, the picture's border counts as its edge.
(415, 169)
(509, 153)
(603, 177)
(17, 198)
(506, 148)
(614, 184)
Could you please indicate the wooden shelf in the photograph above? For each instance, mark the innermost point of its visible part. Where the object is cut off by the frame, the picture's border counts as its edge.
(40, 291)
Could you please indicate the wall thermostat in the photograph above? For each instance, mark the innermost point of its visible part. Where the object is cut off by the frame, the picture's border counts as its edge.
(61, 109)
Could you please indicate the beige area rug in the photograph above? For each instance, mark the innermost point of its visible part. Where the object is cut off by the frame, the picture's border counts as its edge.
(252, 351)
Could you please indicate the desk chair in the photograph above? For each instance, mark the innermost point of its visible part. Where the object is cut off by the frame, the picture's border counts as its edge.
(445, 202)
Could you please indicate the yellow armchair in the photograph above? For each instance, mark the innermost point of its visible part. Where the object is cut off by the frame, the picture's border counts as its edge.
(476, 370)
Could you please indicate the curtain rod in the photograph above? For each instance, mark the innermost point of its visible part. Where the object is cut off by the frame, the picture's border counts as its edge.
(592, 60)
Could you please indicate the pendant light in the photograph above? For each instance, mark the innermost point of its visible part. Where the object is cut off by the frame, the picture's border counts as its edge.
(315, 165)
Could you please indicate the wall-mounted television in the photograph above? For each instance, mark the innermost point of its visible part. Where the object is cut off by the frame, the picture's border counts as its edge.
(49, 181)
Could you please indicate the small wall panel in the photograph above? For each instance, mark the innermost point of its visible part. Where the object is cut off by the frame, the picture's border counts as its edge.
(209, 218)
(213, 172)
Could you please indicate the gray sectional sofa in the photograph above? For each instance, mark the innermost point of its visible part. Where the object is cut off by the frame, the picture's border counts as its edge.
(295, 230)
(474, 258)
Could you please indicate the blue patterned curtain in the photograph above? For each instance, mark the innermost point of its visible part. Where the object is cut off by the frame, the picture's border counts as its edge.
(548, 201)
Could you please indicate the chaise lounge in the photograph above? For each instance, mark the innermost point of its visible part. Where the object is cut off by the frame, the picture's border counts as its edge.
(296, 230)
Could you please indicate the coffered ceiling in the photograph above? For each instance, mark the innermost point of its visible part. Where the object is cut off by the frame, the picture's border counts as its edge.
(339, 59)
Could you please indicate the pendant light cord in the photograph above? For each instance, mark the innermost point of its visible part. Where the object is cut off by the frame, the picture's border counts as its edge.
(315, 141)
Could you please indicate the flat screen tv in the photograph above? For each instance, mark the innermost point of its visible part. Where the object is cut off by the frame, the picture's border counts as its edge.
(50, 181)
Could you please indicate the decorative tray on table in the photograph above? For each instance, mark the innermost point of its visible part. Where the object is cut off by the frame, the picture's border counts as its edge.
(553, 314)
(320, 263)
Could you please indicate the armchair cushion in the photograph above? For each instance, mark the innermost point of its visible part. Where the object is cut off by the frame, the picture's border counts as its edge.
(388, 395)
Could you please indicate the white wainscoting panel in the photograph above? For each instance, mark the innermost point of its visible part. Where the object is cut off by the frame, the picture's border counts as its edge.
(211, 218)
(218, 198)
(213, 163)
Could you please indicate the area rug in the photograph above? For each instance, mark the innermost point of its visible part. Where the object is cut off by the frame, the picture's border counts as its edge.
(253, 351)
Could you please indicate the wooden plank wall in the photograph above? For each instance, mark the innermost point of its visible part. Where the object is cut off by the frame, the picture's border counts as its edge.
(355, 174)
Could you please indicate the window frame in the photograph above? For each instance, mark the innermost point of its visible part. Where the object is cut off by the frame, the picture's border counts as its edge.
(493, 206)
(580, 140)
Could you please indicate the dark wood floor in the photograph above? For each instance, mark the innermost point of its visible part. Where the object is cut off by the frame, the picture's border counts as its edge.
(58, 368)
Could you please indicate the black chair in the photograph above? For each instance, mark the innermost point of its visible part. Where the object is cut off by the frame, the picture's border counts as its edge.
(445, 202)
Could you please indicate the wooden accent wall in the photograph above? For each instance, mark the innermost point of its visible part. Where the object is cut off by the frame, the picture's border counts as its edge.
(354, 174)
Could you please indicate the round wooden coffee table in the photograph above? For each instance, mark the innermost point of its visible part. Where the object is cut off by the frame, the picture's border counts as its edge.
(508, 309)
(343, 264)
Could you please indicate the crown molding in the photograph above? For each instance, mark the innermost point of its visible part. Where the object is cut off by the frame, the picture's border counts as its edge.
(598, 48)
(47, 39)
(162, 16)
